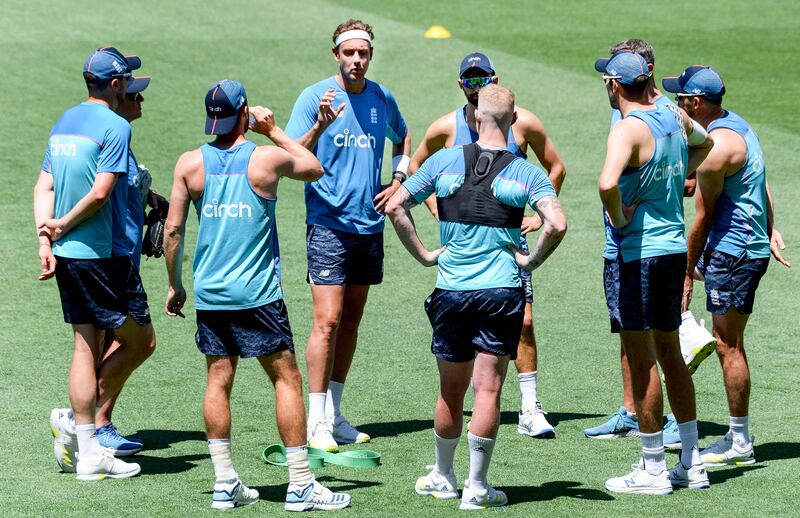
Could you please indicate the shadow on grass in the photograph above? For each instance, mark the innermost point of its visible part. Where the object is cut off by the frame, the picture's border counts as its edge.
(167, 465)
(718, 476)
(709, 429)
(551, 491)
(277, 492)
(777, 451)
(395, 428)
(554, 418)
(162, 439)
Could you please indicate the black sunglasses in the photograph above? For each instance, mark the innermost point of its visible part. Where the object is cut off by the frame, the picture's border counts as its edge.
(137, 97)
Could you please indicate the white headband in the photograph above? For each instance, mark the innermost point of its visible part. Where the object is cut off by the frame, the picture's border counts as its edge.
(355, 34)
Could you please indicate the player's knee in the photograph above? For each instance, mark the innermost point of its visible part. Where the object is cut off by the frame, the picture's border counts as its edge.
(327, 326)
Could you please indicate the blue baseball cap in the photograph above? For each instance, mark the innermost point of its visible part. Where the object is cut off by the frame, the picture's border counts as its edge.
(476, 60)
(697, 80)
(223, 102)
(137, 84)
(625, 66)
(106, 63)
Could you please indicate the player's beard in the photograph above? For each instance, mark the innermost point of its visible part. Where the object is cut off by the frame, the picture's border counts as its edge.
(473, 99)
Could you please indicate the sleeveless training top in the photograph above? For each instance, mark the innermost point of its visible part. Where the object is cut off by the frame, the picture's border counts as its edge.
(464, 135)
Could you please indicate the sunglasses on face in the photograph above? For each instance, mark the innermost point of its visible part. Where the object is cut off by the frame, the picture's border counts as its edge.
(137, 97)
(471, 83)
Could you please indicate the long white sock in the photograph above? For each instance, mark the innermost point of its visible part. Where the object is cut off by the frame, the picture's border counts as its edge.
(222, 458)
(333, 399)
(740, 429)
(297, 460)
(653, 452)
(316, 407)
(445, 452)
(527, 387)
(690, 451)
(88, 447)
(480, 455)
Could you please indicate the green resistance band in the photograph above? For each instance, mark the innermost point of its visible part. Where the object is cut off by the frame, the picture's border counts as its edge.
(275, 454)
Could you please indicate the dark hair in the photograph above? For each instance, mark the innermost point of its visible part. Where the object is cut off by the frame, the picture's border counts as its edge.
(638, 46)
(93, 84)
(351, 25)
(638, 87)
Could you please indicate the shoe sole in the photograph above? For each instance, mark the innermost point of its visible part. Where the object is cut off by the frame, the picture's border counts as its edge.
(475, 507)
(439, 495)
(308, 506)
(66, 463)
(607, 436)
(102, 476)
(547, 434)
(691, 485)
(733, 462)
(701, 355)
(673, 446)
(346, 440)
(221, 506)
(125, 453)
(640, 491)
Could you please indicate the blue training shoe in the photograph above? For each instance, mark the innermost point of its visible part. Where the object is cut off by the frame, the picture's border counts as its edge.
(619, 424)
(672, 436)
(121, 446)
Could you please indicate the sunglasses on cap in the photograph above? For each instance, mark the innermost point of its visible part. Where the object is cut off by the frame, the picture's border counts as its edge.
(471, 83)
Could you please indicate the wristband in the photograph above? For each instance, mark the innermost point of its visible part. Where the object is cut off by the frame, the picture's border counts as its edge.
(698, 134)
(400, 164)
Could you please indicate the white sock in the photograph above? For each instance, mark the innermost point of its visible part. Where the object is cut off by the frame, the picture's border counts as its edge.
(740, 431)
(222, 459)
(297, 460)
(88, 447)
(316, 407)
(480, 455)
(527, 387)
(445, 452)
(333, 399)
(653, 452)
(690, 452)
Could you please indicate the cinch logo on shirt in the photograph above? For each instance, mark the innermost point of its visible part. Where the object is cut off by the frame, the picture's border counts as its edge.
(230, 210)
(345, 139)
(63, 149)
(665, 171)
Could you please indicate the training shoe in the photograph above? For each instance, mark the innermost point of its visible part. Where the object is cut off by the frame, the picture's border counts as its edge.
(727, 452)
(314, 495)
(438, 485)
(619, 424)
(639, 481)
(534, 423)
(108, 437)
(693, 478)
(475, 499)
(65, 443)
(345, 433)
(696, 342)
(232, 493)
(672, 434)
(105, 465)
(320, 436)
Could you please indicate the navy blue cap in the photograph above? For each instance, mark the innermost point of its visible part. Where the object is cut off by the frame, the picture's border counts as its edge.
(223, 102)
(624, 66)
(137, 84)
(106, 63)
(696, 80)
(476, 60)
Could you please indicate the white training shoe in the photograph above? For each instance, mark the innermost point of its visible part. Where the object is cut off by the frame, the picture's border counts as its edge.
(232, 493)
(314, 495)
(727, 452)
(693, 478)
(696, 342)
(105, 465)
(65, 442)
(345, 433)
(320, 436)
(639, 481)
(534, 423)
(438, 485)
(478, 498)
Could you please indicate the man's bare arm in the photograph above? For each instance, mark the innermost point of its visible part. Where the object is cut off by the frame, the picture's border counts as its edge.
(776, 244)
(621, 143)
(86, 207)
(174, 231)
(543, 147)
(398, 211)
(295, 161)
(699, 147)
(401, 149)
(43, 207)
(325, 116)
(435, 139)
(553, 230)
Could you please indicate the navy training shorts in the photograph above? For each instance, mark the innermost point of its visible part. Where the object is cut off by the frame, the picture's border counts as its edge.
(650, 292)
(93, 290)
(730, 280)
(337, 258)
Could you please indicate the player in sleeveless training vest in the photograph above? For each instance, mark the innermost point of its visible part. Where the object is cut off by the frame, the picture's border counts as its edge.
(729, 242)
(477, 308)
(233, 185)
(641, 187)
(86, 155)
(344, 120)
(458, 128)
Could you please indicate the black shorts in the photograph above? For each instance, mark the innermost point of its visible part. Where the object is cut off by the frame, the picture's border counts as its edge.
(93, 290)
(137, 298)
(731, 281)
(650, 292)
(337, 258)
(611, 288)
(468, 322)
(524, 274)
(247, 333)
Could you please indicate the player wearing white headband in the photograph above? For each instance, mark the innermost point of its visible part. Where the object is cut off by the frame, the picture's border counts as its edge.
(344, 120)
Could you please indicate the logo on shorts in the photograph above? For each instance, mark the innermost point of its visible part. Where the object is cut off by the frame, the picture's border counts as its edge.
(714, 294)
(215, 209)
(325, 273)
(346, 139)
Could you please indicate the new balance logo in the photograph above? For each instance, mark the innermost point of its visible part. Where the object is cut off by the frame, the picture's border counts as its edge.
(229, 210)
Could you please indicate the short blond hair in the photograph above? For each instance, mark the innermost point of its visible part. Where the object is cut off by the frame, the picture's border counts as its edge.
(496, 102)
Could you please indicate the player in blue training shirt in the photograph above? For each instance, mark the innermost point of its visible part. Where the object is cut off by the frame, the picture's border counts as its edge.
(641, 187)
(87, 151)
(729, 242)
(233, 185)
(477, 308)
(458, 128)
(344, 120)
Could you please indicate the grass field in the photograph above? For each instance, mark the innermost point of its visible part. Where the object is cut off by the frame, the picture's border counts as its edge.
(544, 51)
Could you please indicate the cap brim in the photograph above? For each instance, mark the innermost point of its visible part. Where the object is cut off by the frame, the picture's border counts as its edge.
(486, 69)
(601, 64)
(137, 84)
(220, 126)
(671, 84)
(134, 62)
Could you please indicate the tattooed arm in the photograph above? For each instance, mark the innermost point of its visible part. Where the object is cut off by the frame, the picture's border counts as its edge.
(399, 212)
(555, 226)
